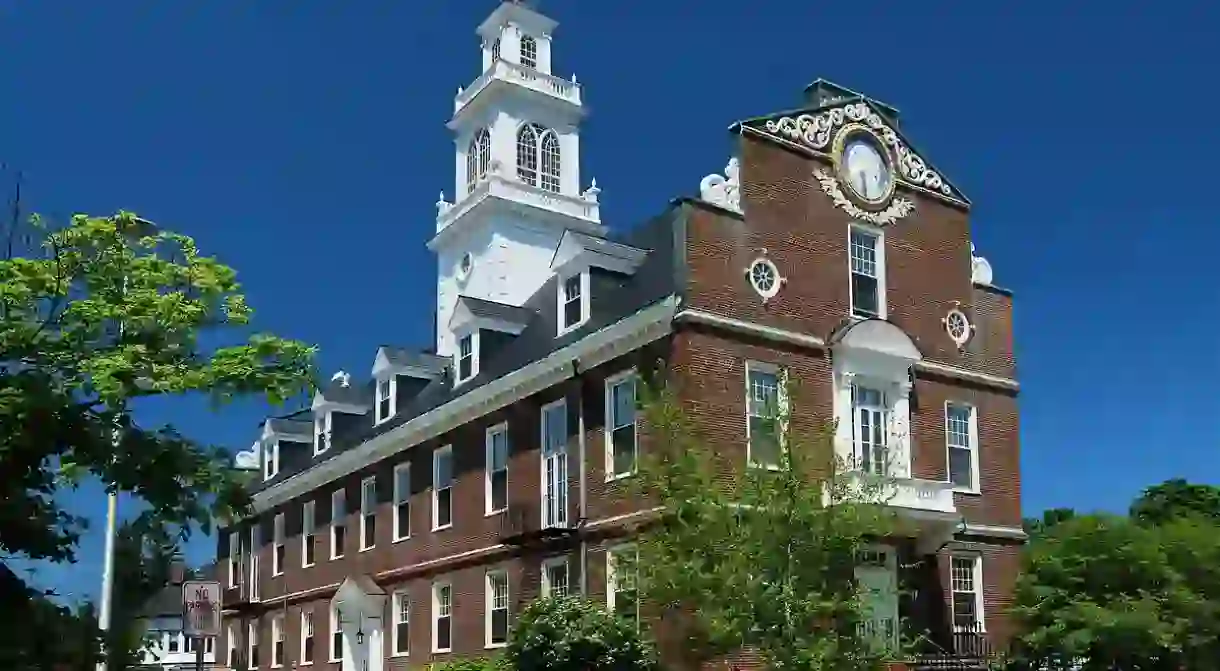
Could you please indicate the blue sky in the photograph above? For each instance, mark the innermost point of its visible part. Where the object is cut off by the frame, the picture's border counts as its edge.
(303, 142)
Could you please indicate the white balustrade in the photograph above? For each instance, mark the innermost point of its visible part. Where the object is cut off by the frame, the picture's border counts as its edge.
(530, 78)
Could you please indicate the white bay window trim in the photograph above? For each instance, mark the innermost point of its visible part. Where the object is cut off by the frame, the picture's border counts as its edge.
(895, 395)
(961, 438)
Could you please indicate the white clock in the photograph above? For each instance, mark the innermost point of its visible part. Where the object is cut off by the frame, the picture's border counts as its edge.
(865, 169)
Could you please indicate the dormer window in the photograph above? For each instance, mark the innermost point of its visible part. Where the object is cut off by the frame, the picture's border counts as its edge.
(573, 302)
(529, 51)
(271, 459)
(321, 429)
(385, 399)
(466, 362)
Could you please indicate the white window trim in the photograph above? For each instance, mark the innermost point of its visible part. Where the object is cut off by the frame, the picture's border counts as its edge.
(975, 477)
(976, 560)
(547, 564)
(436, 454)
(271, 459)
(393, 398)
(436, 615)
(491, 432)
(256, 542)
(608, 429)
(781, 402)
(307, 615)
(277, 629)
(399, 468)
(251, 643)
(326, 421)
(366, 508)
(458, 380)
(231, 648)
(395, 605)
(879, 234)
(338, 494)
(560, 301)
(234, 559)
(612, 572)
(309, 529)
(334, 653)
(488, 602)
(542, 436)
(278, 538)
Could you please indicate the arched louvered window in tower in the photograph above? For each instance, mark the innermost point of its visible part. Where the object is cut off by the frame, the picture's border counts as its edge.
(527, 154)
(529, 51)
(478, 159)
(495, 51)
(550, 161)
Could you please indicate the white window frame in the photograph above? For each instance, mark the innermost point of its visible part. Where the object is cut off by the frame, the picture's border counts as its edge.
(323, 426)
(172, 641)
(562, 300)
(781, 408)
(309, 528)
(234, 559)
(612, 572)
(277, 636)
(368, 508)
(437, 587)
(251, 643)
(973, 436)
(473, 337)
(976, 560)
(532, 56)
(612, 382)
(396, 606)
(271, 459)
(488, 472)
(256, 542)
(390, 382)
(548, 564)
(231, 647)
(307, 632)
(490, 607)
(562, 404)
(335, 651)
(340, 496)
(401, 471)
(278, 538)
(436, 489)
(879, 253)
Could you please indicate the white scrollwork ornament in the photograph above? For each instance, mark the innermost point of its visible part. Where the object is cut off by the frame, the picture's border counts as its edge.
(723, 191)
(896, 210)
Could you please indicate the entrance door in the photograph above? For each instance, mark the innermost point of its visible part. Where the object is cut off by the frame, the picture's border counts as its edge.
(877, 576)
(555, 465)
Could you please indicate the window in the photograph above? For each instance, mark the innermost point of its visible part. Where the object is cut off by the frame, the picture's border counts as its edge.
(442, 488)
(385, 399)
(495, 50)
(529, 51)
(402, 624)
(478, 159)
(308, 526)
(277, 640)
(466, 362)
(256, 546)
(555, 577)
(402, 501)
(278, 549)
(867, 267)
(538, 147)
(572, 311)
(620, 582)
(765, 410)
(172, 639)
(234, 558)
(497, 609)
(550, 161)
(442, 617)
(527, 154)
(620, 425)
(497, 469)
(870, 426)
(336, 636)
(231, 649)
(368, 513)
(252, 644)
(961, 438)
(965, 576)
(306, 637)
(338, 528)
(271, 459)
(321, 428)
(555, 464)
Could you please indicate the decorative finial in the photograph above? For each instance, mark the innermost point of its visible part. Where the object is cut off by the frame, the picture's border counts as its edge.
(573, 77)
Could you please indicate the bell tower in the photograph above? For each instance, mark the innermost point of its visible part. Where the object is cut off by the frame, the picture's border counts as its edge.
(517, 187)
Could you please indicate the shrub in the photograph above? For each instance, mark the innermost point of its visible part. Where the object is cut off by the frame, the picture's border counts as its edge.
(572, 634)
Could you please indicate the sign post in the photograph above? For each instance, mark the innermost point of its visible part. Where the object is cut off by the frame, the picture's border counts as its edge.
(201, 613)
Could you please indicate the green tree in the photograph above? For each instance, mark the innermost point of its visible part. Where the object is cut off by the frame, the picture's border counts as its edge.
(1177, 498)
(754, 557)
(95, 315)
(572, 634)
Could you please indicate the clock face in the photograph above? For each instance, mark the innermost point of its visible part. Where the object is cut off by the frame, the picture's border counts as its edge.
(865, 169)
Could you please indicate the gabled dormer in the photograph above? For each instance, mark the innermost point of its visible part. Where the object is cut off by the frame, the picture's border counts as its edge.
(284, 443)
(337, 407)
(577, 258)
(482, 328)
(399, 375)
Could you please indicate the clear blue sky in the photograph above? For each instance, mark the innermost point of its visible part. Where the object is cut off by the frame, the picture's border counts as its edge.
(303, 142)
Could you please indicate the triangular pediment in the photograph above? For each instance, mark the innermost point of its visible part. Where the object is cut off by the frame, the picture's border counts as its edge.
(814, 130)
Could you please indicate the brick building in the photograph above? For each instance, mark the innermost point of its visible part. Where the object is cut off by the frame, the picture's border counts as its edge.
(403, 520)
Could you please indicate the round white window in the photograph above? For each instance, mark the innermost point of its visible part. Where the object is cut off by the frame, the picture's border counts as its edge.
(958, 326)
(764, 277)
(465, 265)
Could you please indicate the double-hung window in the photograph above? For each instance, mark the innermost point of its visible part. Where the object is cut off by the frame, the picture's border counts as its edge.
(338, 522)
(620, 425)
(271, 458)
(867, 273)
(277, 641)
(466, 367)
(442, 488)
(966, 579)
(322, 430)
(764, 414)
(385, 399)
(336, 636)
(368, 513)
(529, 51)
(555, 577)
(497, 609)
(309, 524)
(573, 299)
(231, 645)
(307, 637)
(555, 464)
(402, 501)
(234, 558)
(870, 428)
(442, 617)
(402, 624)
(497, 469)
(621, 582)
(252, 644)
(256, 546)
(961, 439)
(278, 550)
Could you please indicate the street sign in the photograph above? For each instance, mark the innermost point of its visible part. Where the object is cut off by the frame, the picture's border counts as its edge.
(201, 608)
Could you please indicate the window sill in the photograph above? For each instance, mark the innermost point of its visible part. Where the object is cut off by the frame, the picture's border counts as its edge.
(336, 557)
(492, 513)
(276, 574)
(371, 547)
(967, 491)
(495, 646)
(310, 565)
(574, 327)
(401, 655)
(401, 539)
(613, 477)
(439, 651)
(305, 664)
(443, 528)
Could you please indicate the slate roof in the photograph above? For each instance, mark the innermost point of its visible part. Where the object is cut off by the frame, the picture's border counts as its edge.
(613, 297)
(405, 358)
(492, 310)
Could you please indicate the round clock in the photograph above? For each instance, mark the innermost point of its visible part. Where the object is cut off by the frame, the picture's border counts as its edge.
(864, 167)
